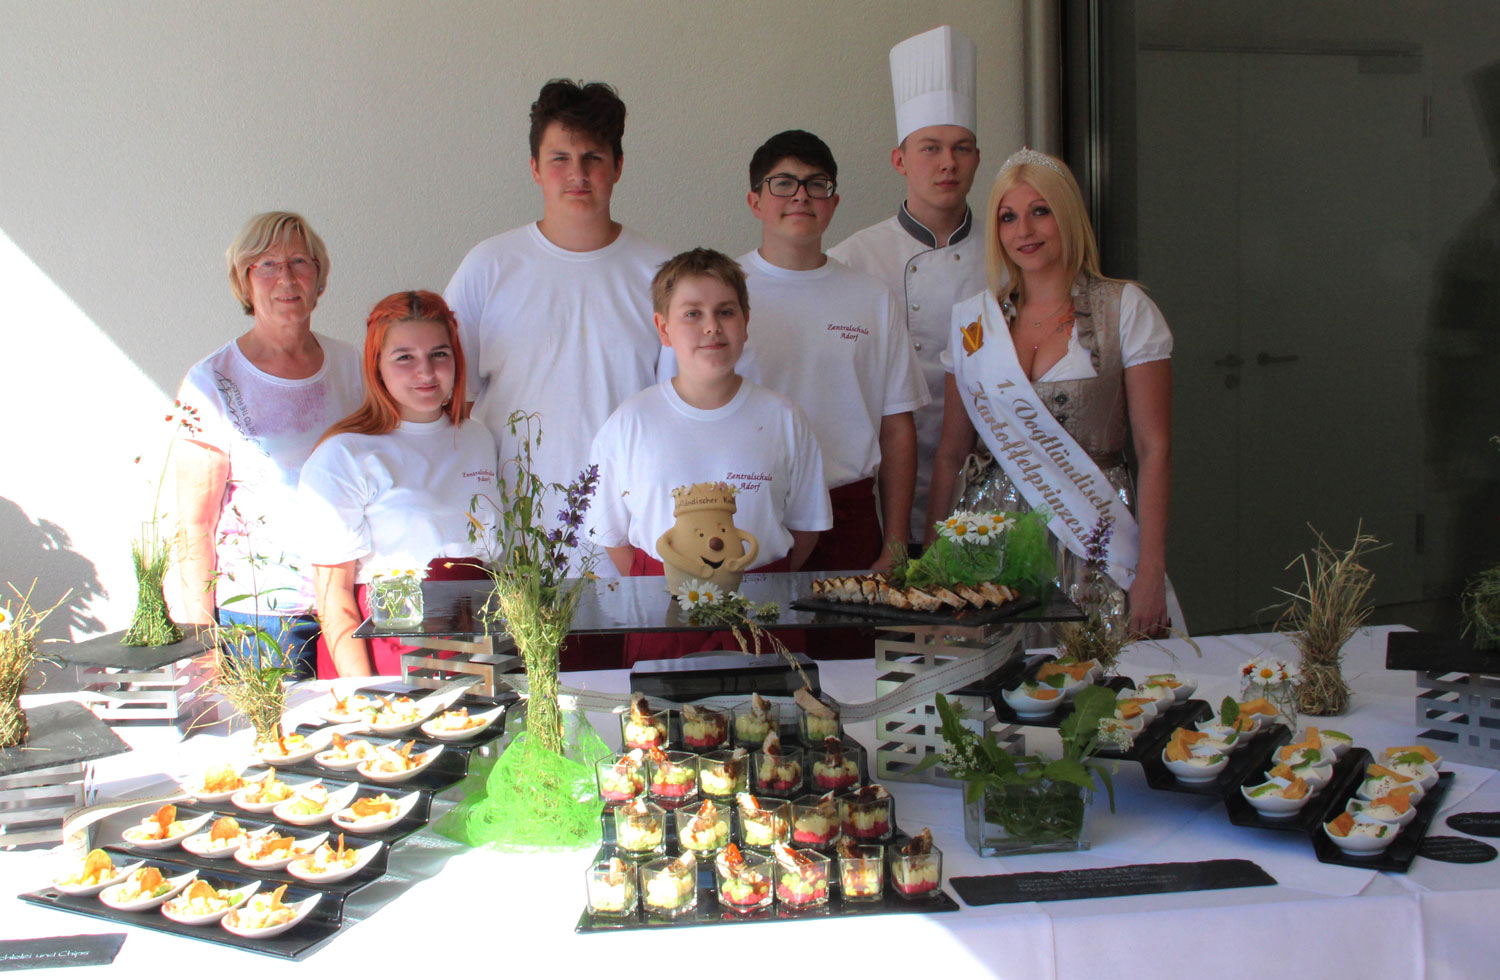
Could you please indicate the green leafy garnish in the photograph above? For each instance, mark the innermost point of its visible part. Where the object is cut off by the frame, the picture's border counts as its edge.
(1229, 712)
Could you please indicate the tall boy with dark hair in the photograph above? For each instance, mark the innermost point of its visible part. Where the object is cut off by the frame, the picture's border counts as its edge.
(827, 338)
(555, 316)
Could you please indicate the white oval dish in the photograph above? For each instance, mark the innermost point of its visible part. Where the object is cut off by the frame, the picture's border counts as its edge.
(1189, 773)
(300, 911)
(108, 896)
(1215, 727)
(336, 801)
(1026, 706)
(1361, 810)
(311, 746)
(325, 759)
(281, 860)
(199, 844)
(1274, 806)
(367, 768)
(355, 704)
(344, 820)
(429, 726)
(133, 834)
(196, 791)
(298, 867)
(1368, 792)
(1360, 845)
(245, 892)
(85, 891)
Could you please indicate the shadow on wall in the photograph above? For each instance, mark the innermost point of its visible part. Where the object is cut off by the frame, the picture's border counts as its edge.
(1463, 363)
(41, 551)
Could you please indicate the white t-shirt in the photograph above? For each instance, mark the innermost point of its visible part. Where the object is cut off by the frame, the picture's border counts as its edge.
(565, 334)
(267, 426)
(1144, 337)
(828, 339)
(399, 499)
(760, 443)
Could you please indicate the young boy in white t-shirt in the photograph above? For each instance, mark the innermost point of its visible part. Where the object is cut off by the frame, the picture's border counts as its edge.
(830, 340)
(708, 424)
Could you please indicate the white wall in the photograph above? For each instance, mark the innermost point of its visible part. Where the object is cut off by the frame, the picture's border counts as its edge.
(136, 138)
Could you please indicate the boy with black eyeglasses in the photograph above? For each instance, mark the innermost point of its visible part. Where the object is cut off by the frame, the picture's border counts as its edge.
(826, 337)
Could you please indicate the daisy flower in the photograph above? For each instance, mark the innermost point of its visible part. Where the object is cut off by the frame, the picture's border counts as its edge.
(7, 620)
(691, 594)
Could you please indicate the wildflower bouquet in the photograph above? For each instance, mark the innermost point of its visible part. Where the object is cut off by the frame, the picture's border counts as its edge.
(20, 624)
(706, 604)
(541, 792)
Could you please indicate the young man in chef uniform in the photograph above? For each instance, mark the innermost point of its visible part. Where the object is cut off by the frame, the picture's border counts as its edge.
(930, 254)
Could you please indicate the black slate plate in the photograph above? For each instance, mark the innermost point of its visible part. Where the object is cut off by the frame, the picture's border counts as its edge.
(913, 617)
(1313, 812)
(321, 925)
(1403, 850)
(338, 889)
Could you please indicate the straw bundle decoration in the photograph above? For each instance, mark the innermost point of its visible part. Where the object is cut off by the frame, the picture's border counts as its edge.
(20, 624)
(1330, 603)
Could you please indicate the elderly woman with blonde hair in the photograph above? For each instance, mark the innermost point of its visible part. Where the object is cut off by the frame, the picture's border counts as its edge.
(1059, 370)
(263, 400)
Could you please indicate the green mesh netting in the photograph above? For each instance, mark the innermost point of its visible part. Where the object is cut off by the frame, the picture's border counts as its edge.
(533, 799)
(1028, 553)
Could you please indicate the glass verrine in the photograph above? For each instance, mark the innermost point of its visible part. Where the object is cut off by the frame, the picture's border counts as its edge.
(724, 773)
(669, 886)
(744, 879)
(753, 721)
(621, 777)
(803, 884)
(703, 829)
(704, 728)
(672, 777)
(862, 872)
(640, 828)
(648, 730)
(814, 728)
(780, 773)
(766, 823)
(611, 888)
(868, 814)
(836, 765)
(916, 875)
(815, 821)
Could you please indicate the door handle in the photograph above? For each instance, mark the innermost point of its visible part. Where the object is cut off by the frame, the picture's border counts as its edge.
(1264, 358)
(1230, 361)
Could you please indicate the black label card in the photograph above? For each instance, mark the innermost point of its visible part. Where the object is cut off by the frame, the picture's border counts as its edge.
(1457, 850)
(1478, 824)
(35, 954)
(1130, 879)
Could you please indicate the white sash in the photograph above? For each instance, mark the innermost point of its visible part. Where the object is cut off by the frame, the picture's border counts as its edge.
(1046, 464)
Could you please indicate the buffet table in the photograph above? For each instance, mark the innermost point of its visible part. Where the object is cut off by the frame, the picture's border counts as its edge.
(444, 909)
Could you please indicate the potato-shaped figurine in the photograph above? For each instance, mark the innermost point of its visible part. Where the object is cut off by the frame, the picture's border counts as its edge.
(704, 543)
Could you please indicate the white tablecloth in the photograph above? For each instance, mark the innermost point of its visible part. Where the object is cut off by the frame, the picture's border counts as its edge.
(445, 909)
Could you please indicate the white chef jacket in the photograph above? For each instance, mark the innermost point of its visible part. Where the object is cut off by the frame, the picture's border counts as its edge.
(926, 281)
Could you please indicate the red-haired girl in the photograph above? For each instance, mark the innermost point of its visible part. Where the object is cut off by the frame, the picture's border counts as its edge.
(390, 486)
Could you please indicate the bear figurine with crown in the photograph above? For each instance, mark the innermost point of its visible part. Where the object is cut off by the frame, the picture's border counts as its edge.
(703, 543)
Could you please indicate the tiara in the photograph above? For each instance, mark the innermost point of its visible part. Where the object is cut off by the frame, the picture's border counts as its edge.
(1026, 155)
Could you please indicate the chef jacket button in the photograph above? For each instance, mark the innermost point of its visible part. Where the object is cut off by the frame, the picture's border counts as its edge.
(916, 306)
(913, 268)
(956, 256)
(916, 345)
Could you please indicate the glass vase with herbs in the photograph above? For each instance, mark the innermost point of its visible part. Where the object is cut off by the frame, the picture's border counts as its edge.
(1030, 804)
